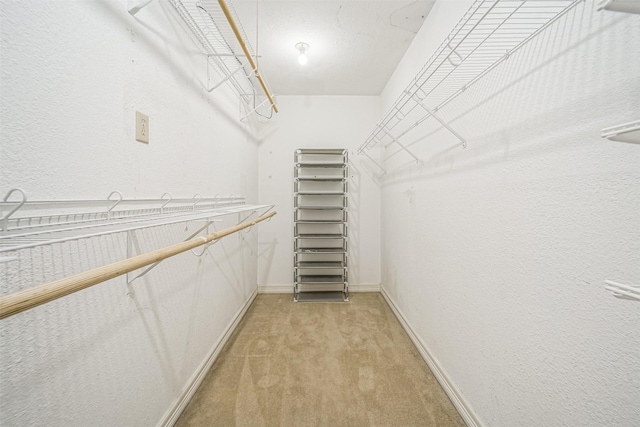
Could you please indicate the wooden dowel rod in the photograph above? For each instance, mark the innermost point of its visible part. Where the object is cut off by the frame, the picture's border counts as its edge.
(254, 67)
(33, 297)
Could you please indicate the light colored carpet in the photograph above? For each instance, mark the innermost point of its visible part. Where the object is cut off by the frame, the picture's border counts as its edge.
(320, 364)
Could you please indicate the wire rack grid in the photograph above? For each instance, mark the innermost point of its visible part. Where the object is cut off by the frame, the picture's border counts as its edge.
(488, 33)
(38, 223)
(208, 23)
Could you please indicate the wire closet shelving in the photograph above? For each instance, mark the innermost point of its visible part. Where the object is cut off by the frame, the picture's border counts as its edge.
(27, 224)
(488, 33)
(230, 58)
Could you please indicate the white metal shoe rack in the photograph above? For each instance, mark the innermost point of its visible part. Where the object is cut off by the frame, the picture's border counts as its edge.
(320, 258)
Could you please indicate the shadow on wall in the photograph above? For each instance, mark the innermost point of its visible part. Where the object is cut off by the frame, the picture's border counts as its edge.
(353, 225)
(266, 252)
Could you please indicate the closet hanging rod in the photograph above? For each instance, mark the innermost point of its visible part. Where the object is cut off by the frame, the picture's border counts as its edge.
(254, 67)
(29, 298)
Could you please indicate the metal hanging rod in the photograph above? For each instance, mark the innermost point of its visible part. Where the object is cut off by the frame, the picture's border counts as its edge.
(29, 298)
(488, 34)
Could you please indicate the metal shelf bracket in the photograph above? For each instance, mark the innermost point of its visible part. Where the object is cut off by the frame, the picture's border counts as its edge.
(364, 153)
(433, 114)
(135, 6)
(401, 145)
(229, 76)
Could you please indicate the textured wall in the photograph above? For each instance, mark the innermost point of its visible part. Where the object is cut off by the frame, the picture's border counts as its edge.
(319, 122)
(497, 254)
(73, 74)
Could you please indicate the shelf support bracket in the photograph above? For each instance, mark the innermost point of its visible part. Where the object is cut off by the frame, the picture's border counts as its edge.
(135, 6)
(432, 113)
(254, 109)
(131, 238)
(252, 214)
(223, 81)
(400, 144)
(384, 172)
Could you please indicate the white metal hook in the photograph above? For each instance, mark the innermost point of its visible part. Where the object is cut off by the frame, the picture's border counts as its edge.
(204, 248)
(165, 203)
(267, 211)
(197, 197)
(206, 245)
(248, 229)
(119, 194)
(5, 220)
(451, 61)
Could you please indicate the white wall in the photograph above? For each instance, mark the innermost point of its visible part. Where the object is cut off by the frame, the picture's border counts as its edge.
(319, 122)
(73, 74)
(497, 254)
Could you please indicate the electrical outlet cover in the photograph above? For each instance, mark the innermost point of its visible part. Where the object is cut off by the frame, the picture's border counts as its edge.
(142, 127)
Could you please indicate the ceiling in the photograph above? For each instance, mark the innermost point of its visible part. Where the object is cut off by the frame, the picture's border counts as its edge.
(355, 45)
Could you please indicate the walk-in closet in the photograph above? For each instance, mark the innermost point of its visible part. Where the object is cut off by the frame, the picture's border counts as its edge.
(320, 213)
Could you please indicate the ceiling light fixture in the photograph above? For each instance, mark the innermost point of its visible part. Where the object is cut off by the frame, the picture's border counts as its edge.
(302, 48)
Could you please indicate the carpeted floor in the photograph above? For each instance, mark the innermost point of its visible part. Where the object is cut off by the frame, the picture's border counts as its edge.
(320, 364)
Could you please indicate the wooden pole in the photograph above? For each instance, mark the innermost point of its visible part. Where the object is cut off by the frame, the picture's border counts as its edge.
(254, 67)
(33, 297)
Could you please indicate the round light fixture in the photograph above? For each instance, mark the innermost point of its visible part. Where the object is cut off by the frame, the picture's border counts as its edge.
(302, 48)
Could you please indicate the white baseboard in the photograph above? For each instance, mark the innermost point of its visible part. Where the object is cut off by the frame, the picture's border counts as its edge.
(275, 289)
(449, 387)
(172, 415)
(288, 289)
(364, 288)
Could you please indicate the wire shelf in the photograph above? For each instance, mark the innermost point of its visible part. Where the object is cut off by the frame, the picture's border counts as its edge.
(208, 23)
(27, 224)
(489, 32)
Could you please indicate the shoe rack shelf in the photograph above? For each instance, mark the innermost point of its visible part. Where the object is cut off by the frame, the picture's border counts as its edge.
(320, 259)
